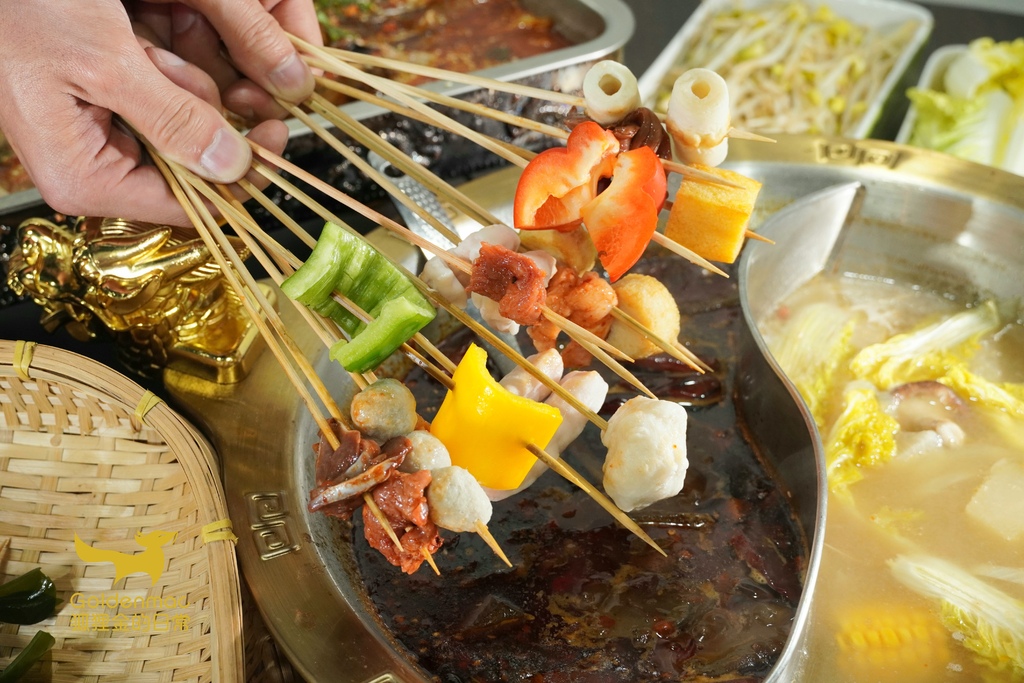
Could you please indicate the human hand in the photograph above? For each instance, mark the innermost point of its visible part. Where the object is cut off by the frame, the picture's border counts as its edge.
(68, 74)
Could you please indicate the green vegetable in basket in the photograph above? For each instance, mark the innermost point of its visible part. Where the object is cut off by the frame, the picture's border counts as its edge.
(39, 645)
(343, 262)
(28, 599)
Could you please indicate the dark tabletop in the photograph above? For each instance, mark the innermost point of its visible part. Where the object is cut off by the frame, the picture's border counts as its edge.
(657, 21)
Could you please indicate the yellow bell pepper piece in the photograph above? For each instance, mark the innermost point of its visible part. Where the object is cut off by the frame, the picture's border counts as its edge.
(486, 429)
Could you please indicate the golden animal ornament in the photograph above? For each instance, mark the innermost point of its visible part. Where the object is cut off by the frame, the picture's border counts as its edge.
(155, 288)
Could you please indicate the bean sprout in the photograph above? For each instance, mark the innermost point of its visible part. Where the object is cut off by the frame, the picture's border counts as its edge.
(792, 68)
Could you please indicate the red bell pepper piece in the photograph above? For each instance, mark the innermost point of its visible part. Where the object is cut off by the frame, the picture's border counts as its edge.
(622, 219)
(559, 182)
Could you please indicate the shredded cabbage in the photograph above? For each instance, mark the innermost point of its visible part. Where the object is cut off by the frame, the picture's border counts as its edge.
(927, 354)
(1005, 397)
(863, 436)
(984, 619)
(816, 343)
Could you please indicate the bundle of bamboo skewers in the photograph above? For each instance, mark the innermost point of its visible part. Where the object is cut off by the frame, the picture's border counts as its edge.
(197, 195)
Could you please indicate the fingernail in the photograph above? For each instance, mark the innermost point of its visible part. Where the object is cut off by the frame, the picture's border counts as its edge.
(182, 18)
(292, 78)
(227, 158)
(167, 58)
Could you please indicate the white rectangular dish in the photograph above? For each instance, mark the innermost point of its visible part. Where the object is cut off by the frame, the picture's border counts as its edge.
(886, 106)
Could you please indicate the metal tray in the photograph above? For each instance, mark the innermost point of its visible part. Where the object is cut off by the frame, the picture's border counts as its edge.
(599, 29)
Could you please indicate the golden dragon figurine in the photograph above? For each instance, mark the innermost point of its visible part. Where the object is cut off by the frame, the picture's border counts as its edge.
(155, 288)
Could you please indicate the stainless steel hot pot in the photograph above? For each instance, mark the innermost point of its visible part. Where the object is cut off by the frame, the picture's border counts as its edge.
(908, 215)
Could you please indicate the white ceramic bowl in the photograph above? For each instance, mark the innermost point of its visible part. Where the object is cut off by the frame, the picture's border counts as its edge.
(882, 15)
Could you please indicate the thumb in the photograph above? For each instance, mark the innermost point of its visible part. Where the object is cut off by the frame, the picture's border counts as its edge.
(183, 127)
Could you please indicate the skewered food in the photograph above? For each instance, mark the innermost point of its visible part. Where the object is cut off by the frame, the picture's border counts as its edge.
(647, 300)
(622, 219)
(521, 383)
(559, 188)
(457, 501)
(384, 410)
(559, 182)
(403, 501)
(342, 261)
(698, 117)
(591, 390)
(642, 128)
(571, 247)
(428, 453)
(711, 220)
(611, 92)
(586, 300)
(646, 460)
(486, 428)
(511, 279)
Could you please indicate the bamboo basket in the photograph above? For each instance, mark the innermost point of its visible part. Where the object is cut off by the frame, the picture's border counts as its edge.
(85, 451)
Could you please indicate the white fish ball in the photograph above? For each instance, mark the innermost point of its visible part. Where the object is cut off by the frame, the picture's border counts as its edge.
(428, 453)
(456, 499)
(384, 409)
(646, 460)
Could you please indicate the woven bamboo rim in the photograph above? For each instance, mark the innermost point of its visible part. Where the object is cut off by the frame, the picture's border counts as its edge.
(86, 451)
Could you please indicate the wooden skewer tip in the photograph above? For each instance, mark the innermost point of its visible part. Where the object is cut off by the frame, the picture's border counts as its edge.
(485, 534)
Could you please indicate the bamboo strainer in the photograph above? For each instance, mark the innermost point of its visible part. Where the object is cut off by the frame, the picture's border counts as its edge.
(85, 451)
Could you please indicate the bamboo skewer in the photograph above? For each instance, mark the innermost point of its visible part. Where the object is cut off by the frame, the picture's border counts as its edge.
(370, 172)
(428, 292)
(395, 156)
(489, 539)
(346, 70)
(563, 469)
(677, 351)
(223, 253)
(740, 134)
(430, 559)
(442, 74)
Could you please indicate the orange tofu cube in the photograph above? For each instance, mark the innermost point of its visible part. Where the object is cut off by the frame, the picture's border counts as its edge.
(711, 219)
